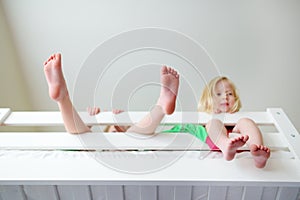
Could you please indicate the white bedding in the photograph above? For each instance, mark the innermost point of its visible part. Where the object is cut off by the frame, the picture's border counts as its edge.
(44, 154)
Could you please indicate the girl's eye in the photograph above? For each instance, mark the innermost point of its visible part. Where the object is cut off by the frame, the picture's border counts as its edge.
(218, 94)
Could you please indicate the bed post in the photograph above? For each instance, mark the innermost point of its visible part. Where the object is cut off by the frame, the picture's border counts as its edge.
(4, 113)
(287, 129)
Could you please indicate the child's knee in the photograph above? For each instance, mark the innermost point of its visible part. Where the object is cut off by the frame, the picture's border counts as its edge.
(214, 122)
(245, 122)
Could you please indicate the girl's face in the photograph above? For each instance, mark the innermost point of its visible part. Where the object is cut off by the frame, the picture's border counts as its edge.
(223, 98)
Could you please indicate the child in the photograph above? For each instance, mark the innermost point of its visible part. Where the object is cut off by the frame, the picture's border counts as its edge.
(73, 123)
(220, 96)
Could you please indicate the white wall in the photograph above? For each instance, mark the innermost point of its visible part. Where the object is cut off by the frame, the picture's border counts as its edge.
(256, 43)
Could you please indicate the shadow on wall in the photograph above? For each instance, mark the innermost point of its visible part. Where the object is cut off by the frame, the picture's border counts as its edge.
(14, 93)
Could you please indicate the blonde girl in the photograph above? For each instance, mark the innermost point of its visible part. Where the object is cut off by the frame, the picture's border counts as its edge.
(221, 96)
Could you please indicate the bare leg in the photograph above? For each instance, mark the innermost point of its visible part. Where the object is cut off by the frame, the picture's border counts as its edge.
(259, 152)
(165, 104)
(58, 92)
(218, 134)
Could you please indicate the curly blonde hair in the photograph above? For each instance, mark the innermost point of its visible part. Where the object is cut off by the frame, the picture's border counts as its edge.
(206, 99)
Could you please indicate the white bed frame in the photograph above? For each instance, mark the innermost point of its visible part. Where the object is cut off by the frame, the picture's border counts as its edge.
(192, 174)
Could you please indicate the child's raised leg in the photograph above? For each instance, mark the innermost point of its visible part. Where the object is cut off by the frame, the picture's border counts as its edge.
(259, 152)
(218, 134)
(58, 92)
(165, 103)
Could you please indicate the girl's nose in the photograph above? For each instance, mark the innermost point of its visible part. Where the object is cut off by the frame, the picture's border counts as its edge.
(225, 96)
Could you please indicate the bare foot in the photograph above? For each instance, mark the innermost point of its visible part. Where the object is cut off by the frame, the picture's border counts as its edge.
(55, 79)
(260, 155)
(233, 145)
(170, 82)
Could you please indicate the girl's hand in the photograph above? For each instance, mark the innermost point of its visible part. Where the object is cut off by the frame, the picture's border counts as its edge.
(96, 110)
(117, 111)
(119, 128)
(93, 110)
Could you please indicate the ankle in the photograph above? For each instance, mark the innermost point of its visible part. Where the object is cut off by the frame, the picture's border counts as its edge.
(64, 98)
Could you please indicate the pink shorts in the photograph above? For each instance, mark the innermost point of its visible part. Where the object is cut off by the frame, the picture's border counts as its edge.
(212, 145)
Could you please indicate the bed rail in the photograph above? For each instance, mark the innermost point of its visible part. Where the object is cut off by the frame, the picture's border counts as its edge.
(53, 118)
(131, 159)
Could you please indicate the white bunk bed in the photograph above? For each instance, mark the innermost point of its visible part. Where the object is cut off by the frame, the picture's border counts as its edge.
(59, 165)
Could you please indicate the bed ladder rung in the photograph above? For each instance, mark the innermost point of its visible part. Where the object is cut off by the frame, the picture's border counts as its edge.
(53, 118)
(116, 141)
(4, 113)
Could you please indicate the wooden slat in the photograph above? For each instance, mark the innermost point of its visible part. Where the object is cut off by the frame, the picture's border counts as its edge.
(34, 119)
(15, 192)
(217, 192)
(252, 193)
(270, 192)
(45, 192)
(132, 192)
(129, 118)
(166, 192)
(234, 192)
(288, 193)
(98, 192)
(136, 171)
(74, 192)
(200, 192)
(4, 113)
(113, 141)
(182, 192)
(97, 141)
(148, 192)
(138, 192)
(115, 192)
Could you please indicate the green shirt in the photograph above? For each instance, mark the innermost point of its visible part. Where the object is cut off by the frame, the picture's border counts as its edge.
(198, 131)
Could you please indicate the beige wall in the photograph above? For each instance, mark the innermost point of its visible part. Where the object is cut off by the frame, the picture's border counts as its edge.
(14, 93)
(256, 43)
(13, 88)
